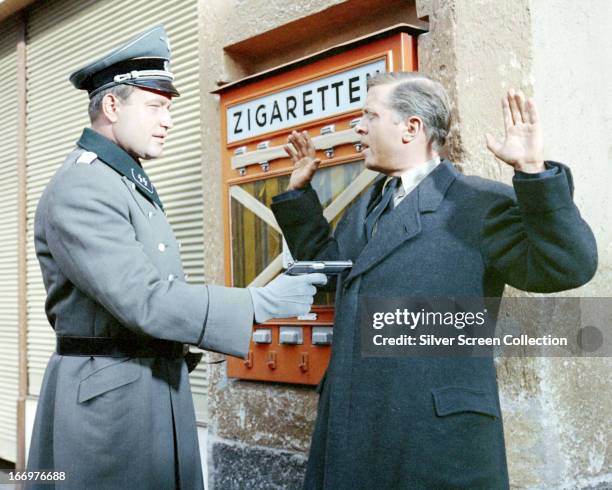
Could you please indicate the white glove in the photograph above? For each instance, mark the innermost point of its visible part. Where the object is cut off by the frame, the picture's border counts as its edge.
(285, 296)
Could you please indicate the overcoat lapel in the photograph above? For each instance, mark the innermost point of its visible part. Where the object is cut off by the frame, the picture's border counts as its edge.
(404, 222)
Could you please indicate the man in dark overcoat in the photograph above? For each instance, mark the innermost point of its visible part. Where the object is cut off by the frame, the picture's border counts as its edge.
(423, 229)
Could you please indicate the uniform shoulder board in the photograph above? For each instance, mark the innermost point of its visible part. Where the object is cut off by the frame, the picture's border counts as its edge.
(87, 157)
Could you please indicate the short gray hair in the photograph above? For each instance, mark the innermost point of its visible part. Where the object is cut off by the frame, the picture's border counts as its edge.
(121, 91)
(415, 94)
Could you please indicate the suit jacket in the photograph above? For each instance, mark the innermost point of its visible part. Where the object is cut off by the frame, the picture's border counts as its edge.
(411, 423)
(111, 267)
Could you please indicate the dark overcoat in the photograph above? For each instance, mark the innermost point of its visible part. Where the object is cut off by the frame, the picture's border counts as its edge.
(413, 423)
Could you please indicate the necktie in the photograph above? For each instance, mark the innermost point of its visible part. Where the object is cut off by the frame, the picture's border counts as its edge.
(382, 206)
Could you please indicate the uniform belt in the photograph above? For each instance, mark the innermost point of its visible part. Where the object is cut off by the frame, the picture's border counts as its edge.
(118, 347)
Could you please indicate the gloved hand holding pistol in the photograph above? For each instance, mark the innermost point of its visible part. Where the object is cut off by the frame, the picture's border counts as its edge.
(285, 296)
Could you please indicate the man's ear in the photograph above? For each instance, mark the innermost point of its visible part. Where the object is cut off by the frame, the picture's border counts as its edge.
(110, 105)
(412, 126)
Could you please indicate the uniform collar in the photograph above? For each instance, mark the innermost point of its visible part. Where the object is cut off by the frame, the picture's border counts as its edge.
(121, 161)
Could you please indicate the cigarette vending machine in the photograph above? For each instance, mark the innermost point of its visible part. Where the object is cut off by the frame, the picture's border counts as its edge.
(322, 94)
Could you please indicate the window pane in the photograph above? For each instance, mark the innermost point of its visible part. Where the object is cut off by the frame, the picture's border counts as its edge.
(255, 244)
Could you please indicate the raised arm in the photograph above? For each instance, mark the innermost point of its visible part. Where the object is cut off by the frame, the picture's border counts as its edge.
(537, 241)
(298, 210)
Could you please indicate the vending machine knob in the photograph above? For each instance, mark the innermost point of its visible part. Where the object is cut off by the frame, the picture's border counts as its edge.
(271, 362)
(248, 362)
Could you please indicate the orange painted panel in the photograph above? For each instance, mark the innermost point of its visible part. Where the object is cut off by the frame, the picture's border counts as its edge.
(305, 363)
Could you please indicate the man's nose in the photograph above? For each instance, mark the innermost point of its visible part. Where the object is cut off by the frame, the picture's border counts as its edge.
(166, 121)
(360, 128)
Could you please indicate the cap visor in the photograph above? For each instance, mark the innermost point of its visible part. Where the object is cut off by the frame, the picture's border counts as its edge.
(160, 85)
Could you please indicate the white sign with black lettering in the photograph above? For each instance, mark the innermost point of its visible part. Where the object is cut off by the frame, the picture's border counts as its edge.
(341, 92)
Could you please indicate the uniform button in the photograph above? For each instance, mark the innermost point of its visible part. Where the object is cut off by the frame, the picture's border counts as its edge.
(180, 244)
(161, 247)
(133, 186)
(171, 277)
(186, 276)
(151, 214)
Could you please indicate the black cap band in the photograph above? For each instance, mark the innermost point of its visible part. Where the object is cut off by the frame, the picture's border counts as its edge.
(105, 78)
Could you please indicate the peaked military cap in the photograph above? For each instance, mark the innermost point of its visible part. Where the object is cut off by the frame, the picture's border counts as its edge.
(143, 61)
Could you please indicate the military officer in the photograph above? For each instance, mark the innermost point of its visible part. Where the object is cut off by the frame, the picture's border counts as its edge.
(115, 408)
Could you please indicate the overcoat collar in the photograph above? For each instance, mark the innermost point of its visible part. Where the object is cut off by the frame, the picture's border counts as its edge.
(433, 188)
(121, 161)
(404, 222)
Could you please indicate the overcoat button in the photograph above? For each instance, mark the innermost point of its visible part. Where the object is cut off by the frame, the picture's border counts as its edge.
(171, 277)
(161, 247)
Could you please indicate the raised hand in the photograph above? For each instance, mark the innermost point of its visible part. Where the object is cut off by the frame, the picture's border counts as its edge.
(302, 151)
(522, 147)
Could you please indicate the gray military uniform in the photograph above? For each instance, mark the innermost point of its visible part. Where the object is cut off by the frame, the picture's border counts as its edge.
(111, 267)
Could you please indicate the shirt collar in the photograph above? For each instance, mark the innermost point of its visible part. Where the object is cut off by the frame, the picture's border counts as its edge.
(121, 161)
(413, 176)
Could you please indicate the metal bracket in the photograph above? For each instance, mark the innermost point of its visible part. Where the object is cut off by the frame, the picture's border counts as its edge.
(262, 336)
(323, 142)
(291, 335)
(330, 128)
(310, 317)
(322, 335)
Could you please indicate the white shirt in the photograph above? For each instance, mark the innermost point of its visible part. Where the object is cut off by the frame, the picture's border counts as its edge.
(412, 178)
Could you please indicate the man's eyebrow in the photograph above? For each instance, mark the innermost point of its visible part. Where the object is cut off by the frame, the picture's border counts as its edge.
(163, 101)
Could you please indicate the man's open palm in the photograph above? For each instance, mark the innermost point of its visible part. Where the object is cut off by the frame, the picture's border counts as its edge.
(301, 149)
(522, 147)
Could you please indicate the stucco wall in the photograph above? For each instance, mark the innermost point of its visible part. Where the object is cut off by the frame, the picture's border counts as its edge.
(556, 411)
(572, 67)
